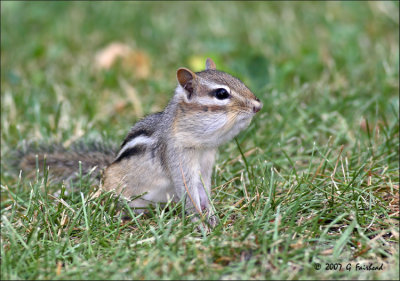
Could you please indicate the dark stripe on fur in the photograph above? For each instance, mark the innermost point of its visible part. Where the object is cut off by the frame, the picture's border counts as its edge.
(199, 107)
(136, 150)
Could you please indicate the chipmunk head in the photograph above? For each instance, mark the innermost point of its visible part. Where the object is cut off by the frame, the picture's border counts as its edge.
(213, 106)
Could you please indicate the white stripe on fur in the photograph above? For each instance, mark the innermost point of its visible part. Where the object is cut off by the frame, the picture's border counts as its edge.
(135, 141)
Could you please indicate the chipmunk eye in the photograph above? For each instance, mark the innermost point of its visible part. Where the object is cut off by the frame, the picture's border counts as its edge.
(221, 94)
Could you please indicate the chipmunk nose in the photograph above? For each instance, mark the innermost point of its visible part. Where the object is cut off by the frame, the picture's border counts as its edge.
(257, 106)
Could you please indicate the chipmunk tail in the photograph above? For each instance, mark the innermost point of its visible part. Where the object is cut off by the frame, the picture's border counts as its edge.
(64, 164)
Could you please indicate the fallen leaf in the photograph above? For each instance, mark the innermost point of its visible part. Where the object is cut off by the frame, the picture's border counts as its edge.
(299, 244)
(136, 61)
(107, 56)
(139, 62)
(197, 63)
(327, 252)
(58, 269)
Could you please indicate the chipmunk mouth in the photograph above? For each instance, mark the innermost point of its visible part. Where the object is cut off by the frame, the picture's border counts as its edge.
(246, 115)
(246, 119)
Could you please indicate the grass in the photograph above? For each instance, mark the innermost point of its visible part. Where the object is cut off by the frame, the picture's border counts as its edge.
(313, 180)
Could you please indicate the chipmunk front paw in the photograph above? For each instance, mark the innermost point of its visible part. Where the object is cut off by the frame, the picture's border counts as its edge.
(213, 220)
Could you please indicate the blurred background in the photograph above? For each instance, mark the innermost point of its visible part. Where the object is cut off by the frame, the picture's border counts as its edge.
(69, 69)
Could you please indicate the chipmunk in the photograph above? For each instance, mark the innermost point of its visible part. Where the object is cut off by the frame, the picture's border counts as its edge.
(170, 154)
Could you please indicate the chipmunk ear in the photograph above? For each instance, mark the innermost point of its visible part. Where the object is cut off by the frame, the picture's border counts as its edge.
(210, 64)
(186, 79)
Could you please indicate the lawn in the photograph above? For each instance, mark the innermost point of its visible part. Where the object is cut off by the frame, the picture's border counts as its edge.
(309, 191)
